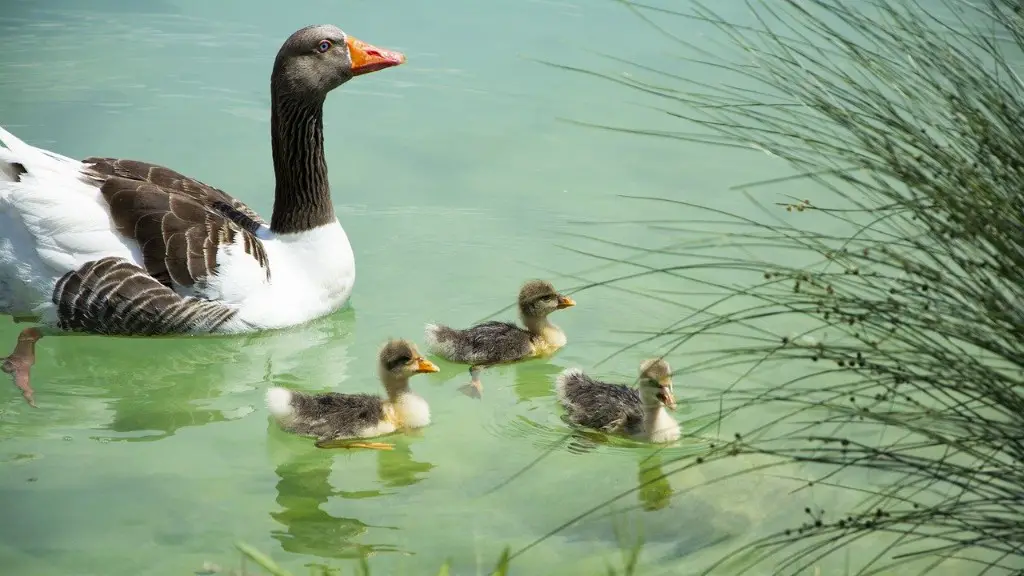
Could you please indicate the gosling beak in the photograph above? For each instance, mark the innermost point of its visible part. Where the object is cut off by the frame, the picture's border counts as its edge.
(368, 58)
(423, 365)
(565, 302)
(667, 398)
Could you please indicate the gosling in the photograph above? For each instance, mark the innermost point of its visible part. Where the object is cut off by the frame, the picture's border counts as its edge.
(639, 413)
(332, 418)
(493, 343)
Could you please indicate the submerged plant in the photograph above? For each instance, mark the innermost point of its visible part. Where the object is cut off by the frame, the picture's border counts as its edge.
(878, 329)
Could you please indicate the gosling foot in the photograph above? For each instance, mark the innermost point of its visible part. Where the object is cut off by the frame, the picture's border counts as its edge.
(20, 362)
(474, 389)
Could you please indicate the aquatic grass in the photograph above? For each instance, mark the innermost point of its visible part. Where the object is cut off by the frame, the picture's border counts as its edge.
(267, 565)
(876, 332)
(630, 560)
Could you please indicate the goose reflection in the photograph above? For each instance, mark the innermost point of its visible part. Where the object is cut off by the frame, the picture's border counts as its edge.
(304, 489)
(158, 386)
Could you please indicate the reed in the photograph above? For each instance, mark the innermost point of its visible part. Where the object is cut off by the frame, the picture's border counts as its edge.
(878, 329)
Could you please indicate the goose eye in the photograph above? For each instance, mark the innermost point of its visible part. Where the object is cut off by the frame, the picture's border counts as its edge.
(324, 46)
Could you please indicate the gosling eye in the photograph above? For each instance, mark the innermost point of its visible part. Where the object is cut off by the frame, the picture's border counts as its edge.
(324, 46)
(400, 361)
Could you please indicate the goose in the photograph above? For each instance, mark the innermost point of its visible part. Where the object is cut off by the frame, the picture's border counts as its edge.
(622, 410)
(495, 342)
(123, 247)
(334, 419)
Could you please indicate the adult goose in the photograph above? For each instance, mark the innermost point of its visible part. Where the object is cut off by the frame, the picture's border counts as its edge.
(122, 247)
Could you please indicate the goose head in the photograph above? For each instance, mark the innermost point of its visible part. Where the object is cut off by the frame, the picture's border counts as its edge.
(656, 383)
(317, 59)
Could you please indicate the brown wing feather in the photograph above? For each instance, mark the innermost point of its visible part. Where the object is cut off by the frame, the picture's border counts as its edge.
(175, 220)
(177, 183)
(115, 297)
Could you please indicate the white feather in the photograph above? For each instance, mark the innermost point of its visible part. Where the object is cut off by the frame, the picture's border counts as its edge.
(413, 411)
(381, 428)
(51, 221)
(562, 380)
(312, 274)
(664, 427)
(432, 338)
(279, 402)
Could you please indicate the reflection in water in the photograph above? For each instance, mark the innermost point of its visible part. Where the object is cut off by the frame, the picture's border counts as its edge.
(535, 379)
(655, 491)
(653, 487)
(174, 383)
(304, 489)
(532, 378)
(396, 468)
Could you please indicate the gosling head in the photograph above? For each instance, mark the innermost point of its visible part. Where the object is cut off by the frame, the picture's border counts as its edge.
(538, 298)
(400, 360)
(656, 383)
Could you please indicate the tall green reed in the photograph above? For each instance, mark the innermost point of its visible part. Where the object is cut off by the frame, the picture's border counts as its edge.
(892, 301)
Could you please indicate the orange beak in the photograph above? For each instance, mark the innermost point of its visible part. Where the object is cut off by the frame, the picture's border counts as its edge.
(423, 365)
(565, 302)
(368, 58)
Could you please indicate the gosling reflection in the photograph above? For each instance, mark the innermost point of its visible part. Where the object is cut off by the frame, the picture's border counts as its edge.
(304, 488)
(397, 469)
(533, 380)
(655, 491)
(582, 440)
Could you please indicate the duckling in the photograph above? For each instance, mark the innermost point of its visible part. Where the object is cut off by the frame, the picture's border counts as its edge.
(622, 410)
(495, 342)
(330, 417)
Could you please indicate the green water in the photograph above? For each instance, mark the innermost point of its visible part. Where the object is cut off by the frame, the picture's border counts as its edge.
(455, 180)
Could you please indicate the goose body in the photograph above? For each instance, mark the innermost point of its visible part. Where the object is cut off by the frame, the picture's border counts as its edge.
(71, 251)
(617, 409)
(123, 247)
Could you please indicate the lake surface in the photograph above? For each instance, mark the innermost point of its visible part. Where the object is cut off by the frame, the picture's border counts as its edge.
(456, 178)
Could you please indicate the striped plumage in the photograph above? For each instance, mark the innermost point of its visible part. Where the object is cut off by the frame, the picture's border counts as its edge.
(179, 223)
(113, 296)
(117, 246)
